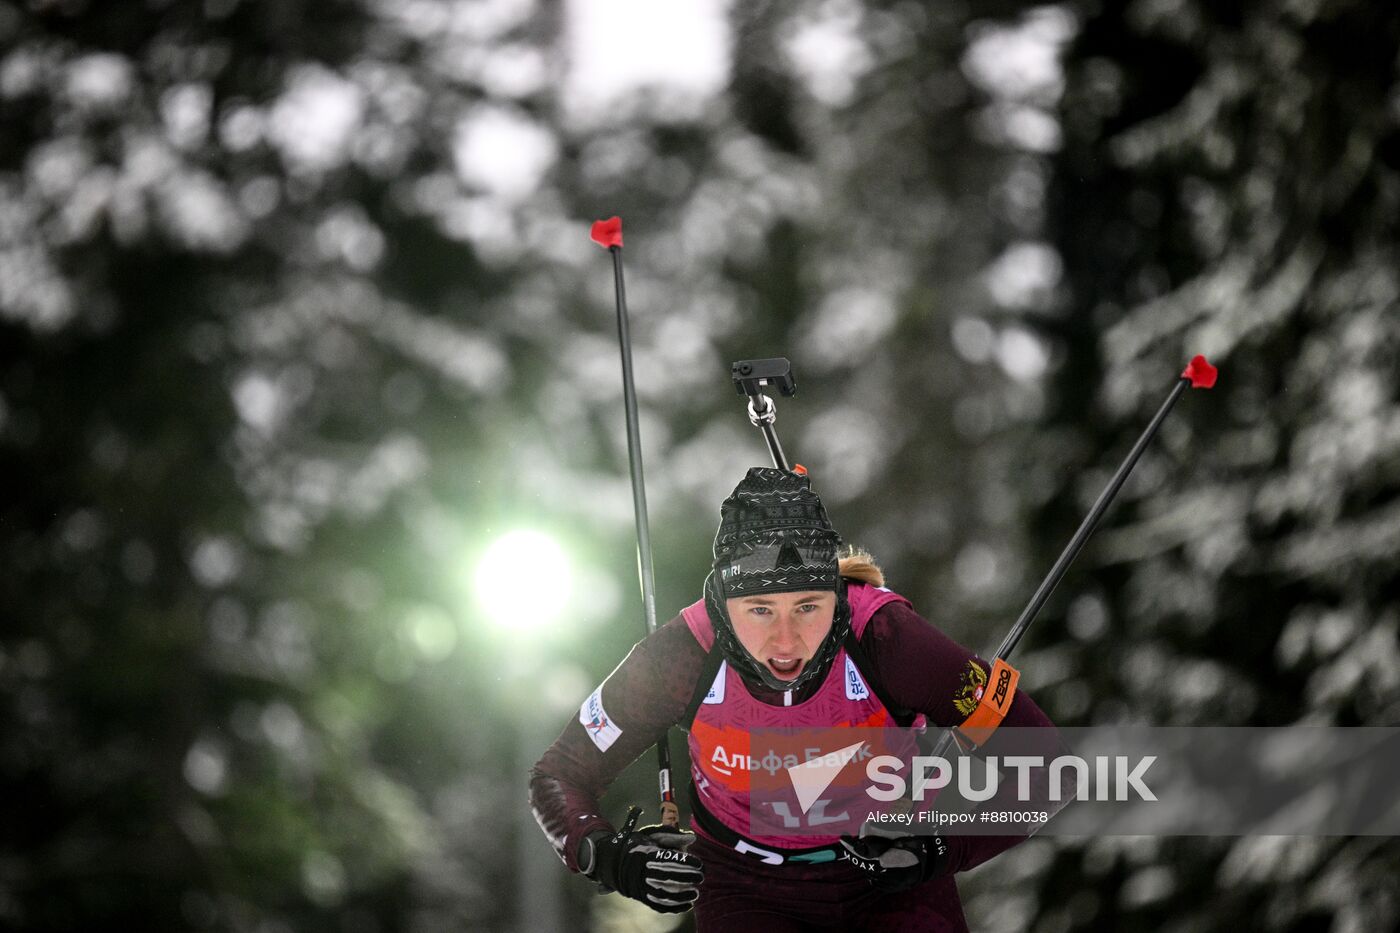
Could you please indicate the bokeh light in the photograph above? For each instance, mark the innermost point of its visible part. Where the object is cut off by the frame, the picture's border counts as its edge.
(523, 580)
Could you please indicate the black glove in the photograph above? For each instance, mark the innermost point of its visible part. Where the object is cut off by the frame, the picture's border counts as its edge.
(649, 864)
(896, 860)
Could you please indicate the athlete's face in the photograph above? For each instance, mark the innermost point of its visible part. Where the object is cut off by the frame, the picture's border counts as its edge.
(782, 630)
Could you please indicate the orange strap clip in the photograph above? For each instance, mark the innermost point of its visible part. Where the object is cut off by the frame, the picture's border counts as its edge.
(991, 708)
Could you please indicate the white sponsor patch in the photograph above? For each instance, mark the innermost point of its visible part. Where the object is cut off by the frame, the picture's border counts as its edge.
(601, 729)
(855, 687)
(716, 694)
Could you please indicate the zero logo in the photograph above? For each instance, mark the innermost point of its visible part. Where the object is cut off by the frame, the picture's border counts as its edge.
(1003, 684)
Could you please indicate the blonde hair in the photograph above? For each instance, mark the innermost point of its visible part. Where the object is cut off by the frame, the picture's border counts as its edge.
(859, 565)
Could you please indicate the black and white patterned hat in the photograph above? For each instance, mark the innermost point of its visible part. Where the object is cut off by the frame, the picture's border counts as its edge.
(774, 537)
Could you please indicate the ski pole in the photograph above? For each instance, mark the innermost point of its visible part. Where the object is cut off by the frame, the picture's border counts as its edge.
(608, 234)
(1198, 374)
(751, 377)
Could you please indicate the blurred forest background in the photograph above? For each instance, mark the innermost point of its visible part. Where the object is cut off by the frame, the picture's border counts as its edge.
(298, 313)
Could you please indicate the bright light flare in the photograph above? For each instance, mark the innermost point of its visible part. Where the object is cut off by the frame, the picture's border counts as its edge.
(524, 580)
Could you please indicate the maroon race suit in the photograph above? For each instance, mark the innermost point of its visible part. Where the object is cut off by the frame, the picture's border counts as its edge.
(917, 667)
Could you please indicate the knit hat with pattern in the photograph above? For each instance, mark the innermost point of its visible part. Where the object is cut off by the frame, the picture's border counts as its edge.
(774, 537)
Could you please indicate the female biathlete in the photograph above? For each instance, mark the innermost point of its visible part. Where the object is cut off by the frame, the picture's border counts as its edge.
(788, 635)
